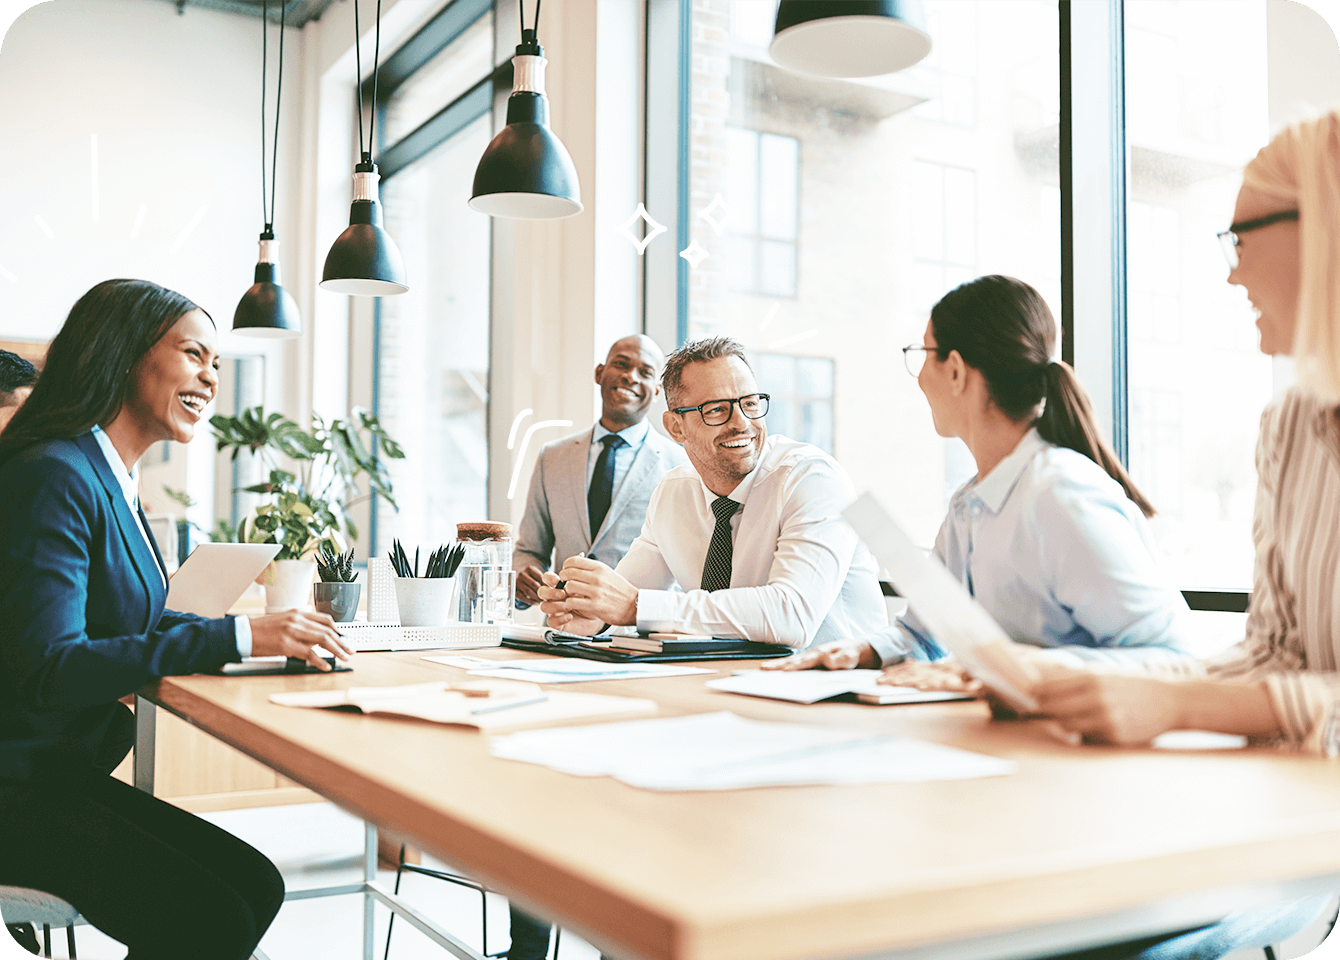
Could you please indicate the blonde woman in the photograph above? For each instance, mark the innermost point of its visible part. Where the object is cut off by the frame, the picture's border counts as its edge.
(1282, 682)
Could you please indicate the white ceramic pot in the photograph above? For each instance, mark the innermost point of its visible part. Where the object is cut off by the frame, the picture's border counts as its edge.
(288, 584)
(424, 601)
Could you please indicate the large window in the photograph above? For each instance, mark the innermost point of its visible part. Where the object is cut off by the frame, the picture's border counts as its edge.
(431, 363)
(909, 184)
(1197, 382)
(853, 206)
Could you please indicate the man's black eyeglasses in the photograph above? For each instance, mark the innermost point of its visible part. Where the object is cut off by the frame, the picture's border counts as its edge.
(1228, 239)
(717, 412)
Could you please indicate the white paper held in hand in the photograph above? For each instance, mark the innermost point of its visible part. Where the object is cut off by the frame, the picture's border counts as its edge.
(954, 618)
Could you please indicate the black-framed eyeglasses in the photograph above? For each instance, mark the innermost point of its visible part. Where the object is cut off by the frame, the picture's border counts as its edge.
(1228, 239)
(717, 412)
(914, 357)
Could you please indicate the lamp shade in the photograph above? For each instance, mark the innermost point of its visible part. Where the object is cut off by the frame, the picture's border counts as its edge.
(849, 38)
(526, 172)
(267, 309)
(364, 261)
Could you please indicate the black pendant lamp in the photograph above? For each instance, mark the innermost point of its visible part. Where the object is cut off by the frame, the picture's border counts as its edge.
(526, 173)
(849, 38)
(364, 261)
(267, 309)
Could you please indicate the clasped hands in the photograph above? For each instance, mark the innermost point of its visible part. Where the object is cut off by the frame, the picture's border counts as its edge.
(585, 595)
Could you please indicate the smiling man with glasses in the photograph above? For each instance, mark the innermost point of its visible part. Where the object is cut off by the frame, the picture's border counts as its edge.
(750, 530)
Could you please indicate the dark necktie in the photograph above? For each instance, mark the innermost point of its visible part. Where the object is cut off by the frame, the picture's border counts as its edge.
(602, 482)
(717, 566)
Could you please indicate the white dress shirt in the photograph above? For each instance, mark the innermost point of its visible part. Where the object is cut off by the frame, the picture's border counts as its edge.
(1057, 553)
(799, 573)
(129, 482)
(632, 437)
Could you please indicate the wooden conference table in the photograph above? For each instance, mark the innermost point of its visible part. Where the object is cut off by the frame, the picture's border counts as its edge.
(1081, 845)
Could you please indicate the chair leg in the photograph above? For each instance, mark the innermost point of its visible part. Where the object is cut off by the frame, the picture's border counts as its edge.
(558, 938)
(399, 872)
(46, 939)
(1270, 953)
(69, 940)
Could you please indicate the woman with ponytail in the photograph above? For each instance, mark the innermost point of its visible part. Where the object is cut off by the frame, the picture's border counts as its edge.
(1050, 535)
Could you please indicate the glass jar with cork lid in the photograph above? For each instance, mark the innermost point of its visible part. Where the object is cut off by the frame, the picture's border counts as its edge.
(486, 580)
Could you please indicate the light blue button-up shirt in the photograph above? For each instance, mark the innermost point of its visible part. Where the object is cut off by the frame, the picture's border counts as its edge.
(1057, 553)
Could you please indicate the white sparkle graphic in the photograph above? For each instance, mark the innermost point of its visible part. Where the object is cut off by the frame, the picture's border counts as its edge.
(718, 222)
(654, 229)
(516, 425)
(694, 254)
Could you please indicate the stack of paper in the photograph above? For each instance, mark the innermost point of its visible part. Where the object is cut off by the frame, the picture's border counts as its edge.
(720, 751)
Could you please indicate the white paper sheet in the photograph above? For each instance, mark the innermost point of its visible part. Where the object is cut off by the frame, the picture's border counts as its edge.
(564, 669)
(811, 686)
(720, 751)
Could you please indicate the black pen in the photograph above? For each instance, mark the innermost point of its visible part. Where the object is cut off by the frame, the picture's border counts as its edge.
(562, 584)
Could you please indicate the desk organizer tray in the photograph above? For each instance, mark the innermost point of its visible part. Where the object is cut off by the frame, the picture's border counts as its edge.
(390, 636)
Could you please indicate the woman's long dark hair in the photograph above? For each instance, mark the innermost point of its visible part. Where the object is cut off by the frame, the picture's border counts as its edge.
(86, 379)
(1004, 330)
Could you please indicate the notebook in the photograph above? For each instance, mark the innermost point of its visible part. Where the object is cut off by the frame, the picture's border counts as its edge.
(954, 618)
(214, 576)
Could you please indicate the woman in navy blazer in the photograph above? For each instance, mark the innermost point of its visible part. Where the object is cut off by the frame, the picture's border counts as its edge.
(82, 624)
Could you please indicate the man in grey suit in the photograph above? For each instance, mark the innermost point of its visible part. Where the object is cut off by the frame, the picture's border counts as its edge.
(588, 495)
(589, 492)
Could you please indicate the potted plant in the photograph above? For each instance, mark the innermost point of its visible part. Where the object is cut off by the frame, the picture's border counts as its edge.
(311, 507)
(337, 592)
(425, 601)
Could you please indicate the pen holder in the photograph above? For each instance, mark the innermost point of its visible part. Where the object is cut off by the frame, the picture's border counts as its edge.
(424, 601)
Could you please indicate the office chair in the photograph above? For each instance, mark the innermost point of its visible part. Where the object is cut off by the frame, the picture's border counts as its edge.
(21, 905)
(402, 867)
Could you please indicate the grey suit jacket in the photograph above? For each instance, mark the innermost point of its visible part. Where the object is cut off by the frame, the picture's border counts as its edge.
(556, 524)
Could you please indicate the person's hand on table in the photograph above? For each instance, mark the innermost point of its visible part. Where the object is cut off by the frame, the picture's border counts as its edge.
(528, 580)
(297, 634)
(845, 654)
(944, 675)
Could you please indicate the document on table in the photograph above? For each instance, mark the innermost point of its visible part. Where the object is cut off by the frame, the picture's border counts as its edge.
(563, 669)
(492, 707)
(811, 686)
(720, 751)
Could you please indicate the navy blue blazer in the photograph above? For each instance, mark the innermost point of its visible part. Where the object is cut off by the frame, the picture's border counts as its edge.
(81, 614)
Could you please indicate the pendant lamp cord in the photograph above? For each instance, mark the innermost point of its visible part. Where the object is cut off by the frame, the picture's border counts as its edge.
(268, 217)
(521, 10)
(364, 150)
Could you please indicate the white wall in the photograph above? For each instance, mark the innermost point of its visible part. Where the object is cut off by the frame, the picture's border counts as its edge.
(174, 103)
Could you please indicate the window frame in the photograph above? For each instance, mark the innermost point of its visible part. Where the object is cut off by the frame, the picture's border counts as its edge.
(482, 98)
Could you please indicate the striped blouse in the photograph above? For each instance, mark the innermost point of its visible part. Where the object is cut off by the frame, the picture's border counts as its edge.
(1293, 626)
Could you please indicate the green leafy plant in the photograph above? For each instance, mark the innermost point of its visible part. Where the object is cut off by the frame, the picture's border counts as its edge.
(335, 567)
(309, 508)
